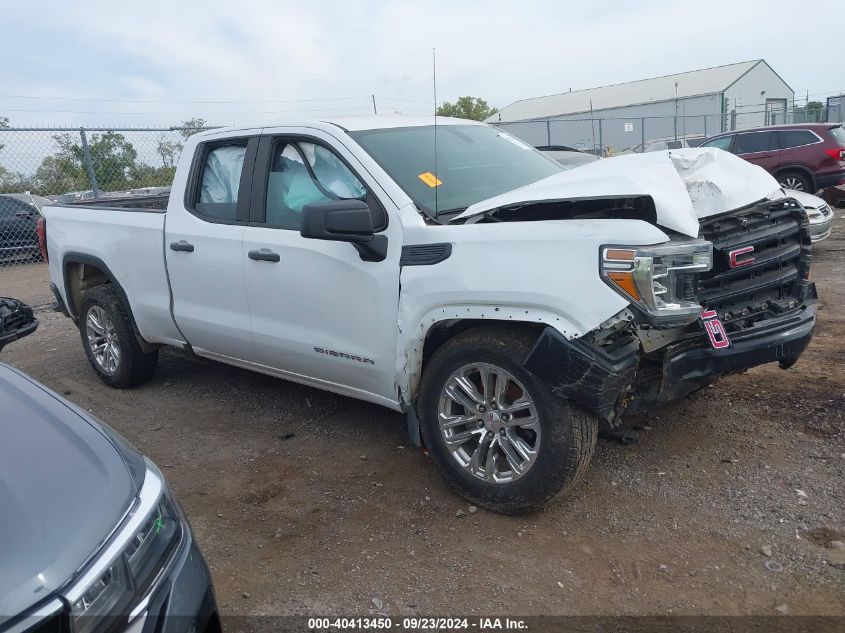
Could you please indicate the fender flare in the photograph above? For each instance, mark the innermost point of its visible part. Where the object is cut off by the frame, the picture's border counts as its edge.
(83, 258)
(412, 338)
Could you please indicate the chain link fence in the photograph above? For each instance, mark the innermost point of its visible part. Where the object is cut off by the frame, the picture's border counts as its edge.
(614, 135)
(39, 166)
(617, 135)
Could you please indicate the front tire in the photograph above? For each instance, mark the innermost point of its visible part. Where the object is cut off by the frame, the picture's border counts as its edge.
(499, 435)
(795, 180)
(109, 340)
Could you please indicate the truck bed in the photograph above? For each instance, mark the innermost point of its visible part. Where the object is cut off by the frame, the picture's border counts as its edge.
(157, 202)
(128, 245)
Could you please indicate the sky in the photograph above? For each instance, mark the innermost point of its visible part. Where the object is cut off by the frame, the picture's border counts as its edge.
(159, 63)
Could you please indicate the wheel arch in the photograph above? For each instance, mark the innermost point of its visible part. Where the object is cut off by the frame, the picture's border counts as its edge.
(443, 324)
(80, 272)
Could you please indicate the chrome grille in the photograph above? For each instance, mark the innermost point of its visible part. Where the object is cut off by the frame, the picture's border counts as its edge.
(746, 293)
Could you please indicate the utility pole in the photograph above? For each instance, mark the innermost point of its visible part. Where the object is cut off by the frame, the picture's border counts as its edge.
(375, 111)
(676, 110)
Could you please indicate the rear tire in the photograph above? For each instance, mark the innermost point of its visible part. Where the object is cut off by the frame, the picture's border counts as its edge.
(109, 340)
(557, 436)
(795, 180)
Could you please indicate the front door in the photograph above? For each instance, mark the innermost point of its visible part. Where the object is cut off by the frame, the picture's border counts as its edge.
(320, 314)
(204, 251)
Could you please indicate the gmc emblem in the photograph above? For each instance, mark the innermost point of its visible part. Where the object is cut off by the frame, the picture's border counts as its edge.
(734, 255)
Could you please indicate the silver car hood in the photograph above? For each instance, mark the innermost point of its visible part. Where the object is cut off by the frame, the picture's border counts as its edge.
(685, 184)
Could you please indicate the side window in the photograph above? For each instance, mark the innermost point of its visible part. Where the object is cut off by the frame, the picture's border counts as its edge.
(796, 138)
(754, 142)
(723, 142)
(302, 173)
(217, 195)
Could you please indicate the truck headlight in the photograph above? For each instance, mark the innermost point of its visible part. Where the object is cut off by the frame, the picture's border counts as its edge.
(131, 562)
(661, 280)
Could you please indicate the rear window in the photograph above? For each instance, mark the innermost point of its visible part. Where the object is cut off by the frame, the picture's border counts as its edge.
(796, 138)
(839, 134)
(221, 178)
(723, 142)
(754, 142)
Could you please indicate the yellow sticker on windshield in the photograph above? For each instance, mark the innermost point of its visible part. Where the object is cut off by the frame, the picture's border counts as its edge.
(430, 179)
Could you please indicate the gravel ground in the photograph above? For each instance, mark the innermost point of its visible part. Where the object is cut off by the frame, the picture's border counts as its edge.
(310, 503)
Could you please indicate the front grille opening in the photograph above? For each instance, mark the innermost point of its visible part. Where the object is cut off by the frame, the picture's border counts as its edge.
(767, 280)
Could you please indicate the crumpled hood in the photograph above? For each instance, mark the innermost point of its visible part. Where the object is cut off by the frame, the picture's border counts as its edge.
(685, 184)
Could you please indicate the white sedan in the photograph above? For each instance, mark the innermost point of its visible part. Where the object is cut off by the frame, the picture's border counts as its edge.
(819, 212)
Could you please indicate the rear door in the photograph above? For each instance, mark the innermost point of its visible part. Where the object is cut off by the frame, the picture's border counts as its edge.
(204, 250)
(761, 148)
(320, 314)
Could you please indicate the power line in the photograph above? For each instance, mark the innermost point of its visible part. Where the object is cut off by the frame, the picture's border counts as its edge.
(202, 101)
(355, 109)
(198, 101)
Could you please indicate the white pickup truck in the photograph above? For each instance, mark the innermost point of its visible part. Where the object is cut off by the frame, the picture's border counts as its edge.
(506, 305)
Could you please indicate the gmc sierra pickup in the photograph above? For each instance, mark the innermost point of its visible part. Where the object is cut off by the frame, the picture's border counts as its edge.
(450, 271)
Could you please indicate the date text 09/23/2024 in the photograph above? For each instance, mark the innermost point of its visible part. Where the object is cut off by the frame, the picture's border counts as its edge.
(482, 624)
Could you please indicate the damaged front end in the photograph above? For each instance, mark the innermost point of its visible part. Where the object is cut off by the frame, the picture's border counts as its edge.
(693, 317)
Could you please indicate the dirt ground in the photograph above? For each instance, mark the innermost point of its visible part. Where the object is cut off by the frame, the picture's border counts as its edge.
(310, 503)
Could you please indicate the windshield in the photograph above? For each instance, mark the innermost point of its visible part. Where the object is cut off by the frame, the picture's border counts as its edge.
(474, 162)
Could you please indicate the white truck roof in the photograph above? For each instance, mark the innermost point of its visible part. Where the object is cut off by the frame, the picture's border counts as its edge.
(351, 123)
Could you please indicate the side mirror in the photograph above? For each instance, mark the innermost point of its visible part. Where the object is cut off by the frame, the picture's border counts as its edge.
(340, 221)
(344, 221)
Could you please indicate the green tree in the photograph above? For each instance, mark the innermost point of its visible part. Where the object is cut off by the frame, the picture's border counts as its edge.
(57, 175)
(4, 122)
(169, 151)
(112, 157)
(814, 110)
(192, 126)
(474, 108)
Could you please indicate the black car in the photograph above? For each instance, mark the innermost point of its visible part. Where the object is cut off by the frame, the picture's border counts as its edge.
(19, 214)
(91, 538)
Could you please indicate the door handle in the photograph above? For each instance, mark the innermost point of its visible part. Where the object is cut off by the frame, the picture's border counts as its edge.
(182, 245)
(264, 255)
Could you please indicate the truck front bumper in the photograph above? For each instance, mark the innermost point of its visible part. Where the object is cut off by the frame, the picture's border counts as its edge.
(610, 380)
(782, 341)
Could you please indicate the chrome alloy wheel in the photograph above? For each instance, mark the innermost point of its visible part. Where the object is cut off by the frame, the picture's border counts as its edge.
(102, 339)
(489, 423)
(791, 182)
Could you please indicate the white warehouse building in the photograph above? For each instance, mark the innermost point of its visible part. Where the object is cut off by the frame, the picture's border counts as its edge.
(691, 105)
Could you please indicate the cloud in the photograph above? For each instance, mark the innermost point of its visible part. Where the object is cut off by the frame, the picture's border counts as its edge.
(337, 54)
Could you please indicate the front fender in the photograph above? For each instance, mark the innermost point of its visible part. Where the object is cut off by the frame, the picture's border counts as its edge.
(526, 272)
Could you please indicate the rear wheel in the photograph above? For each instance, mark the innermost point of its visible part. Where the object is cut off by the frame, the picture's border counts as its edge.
(795, 180)
(109, 340)
(498, 434)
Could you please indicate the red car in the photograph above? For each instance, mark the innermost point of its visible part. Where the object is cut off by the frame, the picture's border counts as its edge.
(803, 156)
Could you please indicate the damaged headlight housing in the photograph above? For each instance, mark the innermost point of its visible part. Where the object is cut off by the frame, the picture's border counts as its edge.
(131, 563)
(660, 280)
